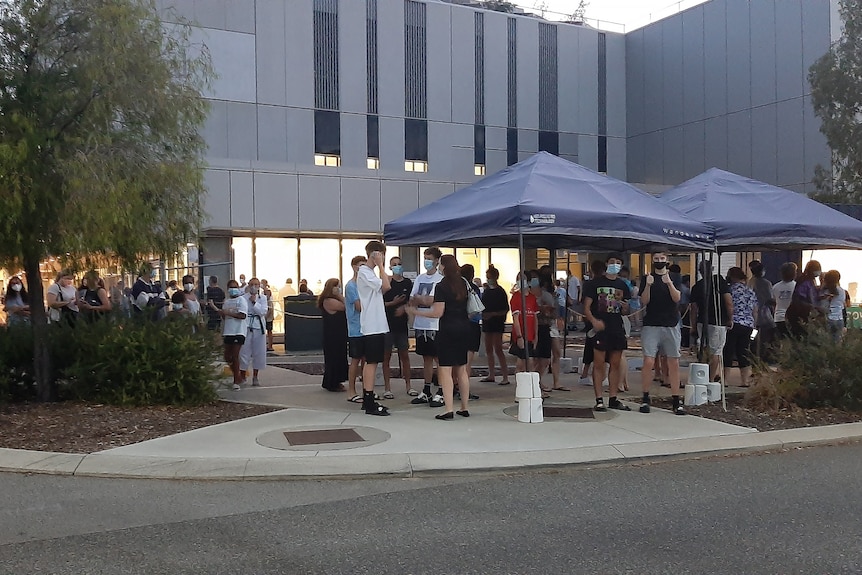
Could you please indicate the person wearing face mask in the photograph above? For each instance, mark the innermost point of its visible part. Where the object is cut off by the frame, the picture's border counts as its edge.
(63, 299)
(716, 311)
(145, 294)
(605, 303)
(805, 302)
(234, 314)
(17, 303)
(253, 353)
(525, 335)
(395, 299)
(425, 328)
(179, 310)
(660, 294)
(191, 298)
(494, 325)
(331, 304)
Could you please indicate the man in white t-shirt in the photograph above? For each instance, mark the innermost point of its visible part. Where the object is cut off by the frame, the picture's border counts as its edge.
(782, 293)
(372, 321)
(426, 328)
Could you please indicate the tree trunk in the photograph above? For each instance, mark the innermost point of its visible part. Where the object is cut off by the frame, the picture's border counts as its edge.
(38, 318)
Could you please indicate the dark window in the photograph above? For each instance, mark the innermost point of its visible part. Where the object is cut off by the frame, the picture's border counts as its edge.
(479, 66)
(549, 142)
(603, 85)
(512, 72)
(371, 53)
(373, 137)
(547, 78)
(603, 154)
(415, 64)
(416, 139)
(479, 145)
(511, 146)
(326, 54)
(327, 132)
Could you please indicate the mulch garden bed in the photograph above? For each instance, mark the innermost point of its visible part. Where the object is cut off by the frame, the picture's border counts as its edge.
(73, 427)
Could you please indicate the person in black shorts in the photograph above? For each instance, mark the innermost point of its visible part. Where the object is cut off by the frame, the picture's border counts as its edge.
(450, 305)
(395, 300)
(605, 303)
(597, 270)
(494, 324)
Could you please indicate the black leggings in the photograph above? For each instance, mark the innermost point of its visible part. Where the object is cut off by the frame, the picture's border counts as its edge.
(737, 345)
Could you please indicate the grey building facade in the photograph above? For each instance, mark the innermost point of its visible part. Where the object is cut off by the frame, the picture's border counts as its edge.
(331, 117)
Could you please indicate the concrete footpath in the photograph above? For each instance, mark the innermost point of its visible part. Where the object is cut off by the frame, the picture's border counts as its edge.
(344, 442)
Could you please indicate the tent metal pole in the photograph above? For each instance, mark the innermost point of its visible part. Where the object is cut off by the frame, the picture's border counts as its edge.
(523, 264)
(721, 354)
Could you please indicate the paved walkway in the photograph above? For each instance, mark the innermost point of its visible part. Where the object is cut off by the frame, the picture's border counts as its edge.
(410, 441)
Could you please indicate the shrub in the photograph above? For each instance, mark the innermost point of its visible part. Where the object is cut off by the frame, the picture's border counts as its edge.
(116, 360)
(16, 364)
(813, 371)
(140, 362)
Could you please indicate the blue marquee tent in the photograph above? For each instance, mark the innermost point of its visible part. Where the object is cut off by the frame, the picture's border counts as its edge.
(549, 202)
(748, 214)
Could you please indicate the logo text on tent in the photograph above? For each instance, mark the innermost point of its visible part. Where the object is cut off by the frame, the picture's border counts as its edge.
(543, 218)
(684, 234)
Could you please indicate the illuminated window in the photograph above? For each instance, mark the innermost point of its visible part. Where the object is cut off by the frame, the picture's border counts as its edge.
(373, 163)
(328, 160)
(479, 170)
(415, 166)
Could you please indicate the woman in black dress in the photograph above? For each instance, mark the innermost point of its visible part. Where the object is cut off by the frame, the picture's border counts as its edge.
(453, 337)
(331, 304)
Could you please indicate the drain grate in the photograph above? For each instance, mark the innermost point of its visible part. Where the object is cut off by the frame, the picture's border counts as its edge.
(570, 412)
(320, 436)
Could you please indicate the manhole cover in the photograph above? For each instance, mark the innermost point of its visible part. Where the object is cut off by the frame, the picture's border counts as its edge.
(567, 411)
(320, 436)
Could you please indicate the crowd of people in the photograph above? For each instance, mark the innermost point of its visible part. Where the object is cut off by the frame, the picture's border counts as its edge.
(368, 316)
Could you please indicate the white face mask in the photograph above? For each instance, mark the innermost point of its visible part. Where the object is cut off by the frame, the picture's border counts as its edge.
(254, 290)
(177, 306)
(188, 287)
(17, 287)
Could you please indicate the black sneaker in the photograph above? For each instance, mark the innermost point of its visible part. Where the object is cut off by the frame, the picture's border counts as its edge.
(679, 410)
(421, 398)
(600, 406)
(436, 401)
(645, 407)
(376, 409)
(619, 405)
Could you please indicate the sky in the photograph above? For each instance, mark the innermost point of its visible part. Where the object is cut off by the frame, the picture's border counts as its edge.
(631, 13)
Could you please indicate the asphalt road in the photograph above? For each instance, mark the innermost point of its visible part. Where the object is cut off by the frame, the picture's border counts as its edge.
(779, 513)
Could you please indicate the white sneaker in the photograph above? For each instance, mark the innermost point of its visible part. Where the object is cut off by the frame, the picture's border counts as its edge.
(236, 387)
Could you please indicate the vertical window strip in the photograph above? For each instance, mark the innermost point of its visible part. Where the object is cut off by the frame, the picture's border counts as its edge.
(326, 54)
(548, 74)
(512, 68)
(603, 85)
(415, 60)
(371, 53)
(479, 57)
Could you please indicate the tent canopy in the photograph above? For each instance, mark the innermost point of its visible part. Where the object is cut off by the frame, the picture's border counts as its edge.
(555, 204)
(748, 214)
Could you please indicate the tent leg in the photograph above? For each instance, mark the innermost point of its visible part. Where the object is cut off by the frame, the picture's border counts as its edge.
(522, 257)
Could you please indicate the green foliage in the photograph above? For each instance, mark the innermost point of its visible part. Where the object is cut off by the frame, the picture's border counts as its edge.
(836, 94)
(118, 361)
(499, 6)
(813, 371)
(101, 153)
(139, 362)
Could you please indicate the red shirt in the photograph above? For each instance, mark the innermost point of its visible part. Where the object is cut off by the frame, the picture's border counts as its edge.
(532, 312)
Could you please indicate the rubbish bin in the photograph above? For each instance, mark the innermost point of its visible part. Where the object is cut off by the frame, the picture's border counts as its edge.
(303, 324)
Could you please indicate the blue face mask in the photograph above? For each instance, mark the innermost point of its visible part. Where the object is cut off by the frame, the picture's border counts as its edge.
(614, 269)
(397, 270)
(534, 282)
(234, 292)
(429, 264)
